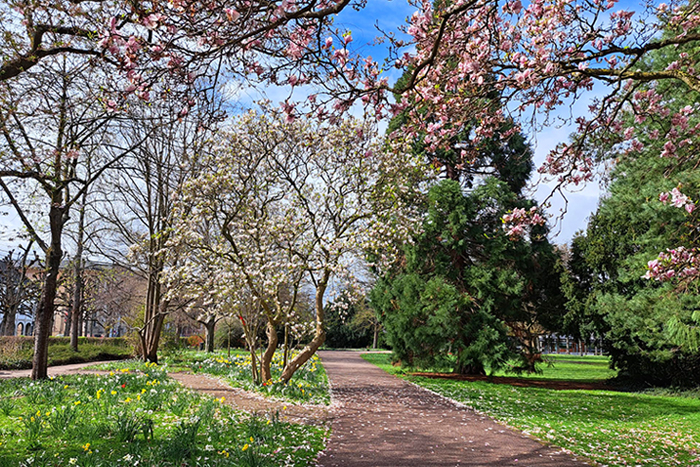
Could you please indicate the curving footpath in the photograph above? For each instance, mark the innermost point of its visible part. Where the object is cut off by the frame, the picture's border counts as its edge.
(381, 420)
(58, 370)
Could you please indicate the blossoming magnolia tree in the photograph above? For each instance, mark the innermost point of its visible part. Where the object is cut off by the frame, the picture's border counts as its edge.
(539, 57)
(149, 50)
(291, 205)
(543, 55)
(176, 40)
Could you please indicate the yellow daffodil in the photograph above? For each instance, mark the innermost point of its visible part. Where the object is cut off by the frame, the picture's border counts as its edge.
(245, 447)
(86, 446)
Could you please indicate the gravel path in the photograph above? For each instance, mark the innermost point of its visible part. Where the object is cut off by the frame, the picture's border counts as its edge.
(381, 420)
(72, 369)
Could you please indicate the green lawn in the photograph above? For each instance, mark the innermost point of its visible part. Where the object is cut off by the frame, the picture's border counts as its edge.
(612, 428)
(577, 368)
(139, 418)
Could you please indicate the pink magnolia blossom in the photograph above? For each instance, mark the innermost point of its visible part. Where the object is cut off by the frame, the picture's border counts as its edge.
(678, 263)
(231, 14)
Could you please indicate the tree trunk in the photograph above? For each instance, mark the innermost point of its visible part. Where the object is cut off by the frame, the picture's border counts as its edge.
(45, 309)
(154, 317)
(272, 343)
(286, 344)
(152, 337)
(375, 339)
(78, 275)
(253, 360)
(473, 369)
(209, 328)
(8, 324)
(69, 325)
(75, 327)
(319, 335)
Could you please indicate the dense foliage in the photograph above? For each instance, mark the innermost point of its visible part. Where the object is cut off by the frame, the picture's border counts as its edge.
(647, 310)
(649, 326)
(466, 295)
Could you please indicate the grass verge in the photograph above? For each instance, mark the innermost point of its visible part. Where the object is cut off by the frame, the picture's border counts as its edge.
(611, 428)
(139, 418)
(587, 368)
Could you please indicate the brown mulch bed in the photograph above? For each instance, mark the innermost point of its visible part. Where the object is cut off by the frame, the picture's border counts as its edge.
(523, 382)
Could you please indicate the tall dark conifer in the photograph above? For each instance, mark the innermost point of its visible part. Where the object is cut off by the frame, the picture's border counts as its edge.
(466, 296)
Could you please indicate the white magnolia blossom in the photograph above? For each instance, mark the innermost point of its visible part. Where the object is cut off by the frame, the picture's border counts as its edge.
(285, 205)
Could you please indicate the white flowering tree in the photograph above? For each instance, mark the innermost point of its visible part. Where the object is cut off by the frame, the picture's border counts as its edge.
(286, 204)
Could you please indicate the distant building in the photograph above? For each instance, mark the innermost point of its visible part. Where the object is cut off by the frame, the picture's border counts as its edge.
(110, 293)
(10, 296)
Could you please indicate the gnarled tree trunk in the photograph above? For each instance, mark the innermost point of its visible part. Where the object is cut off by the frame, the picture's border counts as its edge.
(319, 335)
(209, 328)
(272, 343)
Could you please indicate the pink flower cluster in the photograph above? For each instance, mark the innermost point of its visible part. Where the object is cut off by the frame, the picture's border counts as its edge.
(519, 219)
(674, 263)
(677, 199)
